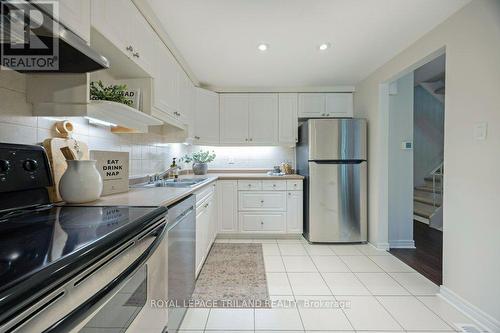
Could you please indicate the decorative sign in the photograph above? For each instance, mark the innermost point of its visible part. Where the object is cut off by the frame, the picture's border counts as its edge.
(113, 167)
(133, 95)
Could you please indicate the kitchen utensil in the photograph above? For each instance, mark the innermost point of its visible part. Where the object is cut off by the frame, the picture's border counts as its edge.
(68, 153)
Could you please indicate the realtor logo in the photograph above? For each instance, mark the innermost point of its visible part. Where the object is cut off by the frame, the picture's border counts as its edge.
(27, 35)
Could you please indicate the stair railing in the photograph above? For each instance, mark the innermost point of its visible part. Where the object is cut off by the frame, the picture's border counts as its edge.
(437, 173)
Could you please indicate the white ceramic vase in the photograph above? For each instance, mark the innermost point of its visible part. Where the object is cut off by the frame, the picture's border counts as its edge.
(81, 182)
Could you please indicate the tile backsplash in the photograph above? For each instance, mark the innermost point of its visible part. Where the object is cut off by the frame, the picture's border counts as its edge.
(149, 153)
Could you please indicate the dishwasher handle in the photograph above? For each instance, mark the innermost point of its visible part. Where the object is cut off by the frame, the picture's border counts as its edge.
(72, 319)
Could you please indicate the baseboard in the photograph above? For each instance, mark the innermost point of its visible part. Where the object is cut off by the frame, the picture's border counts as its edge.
(402, 244)
(483, 319)
(381, 246)
(258, 236)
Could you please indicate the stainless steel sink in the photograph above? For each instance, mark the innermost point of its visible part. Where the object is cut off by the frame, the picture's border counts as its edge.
(182, 182)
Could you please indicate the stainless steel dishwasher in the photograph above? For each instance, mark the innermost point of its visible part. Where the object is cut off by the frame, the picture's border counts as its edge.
(181, 240)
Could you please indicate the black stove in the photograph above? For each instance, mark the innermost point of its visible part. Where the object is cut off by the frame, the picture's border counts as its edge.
(42, 244)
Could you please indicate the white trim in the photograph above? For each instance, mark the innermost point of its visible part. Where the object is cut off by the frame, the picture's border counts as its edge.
(380, 246)
(402, 244)
(345, 89)
(421, 219)
(480, 317)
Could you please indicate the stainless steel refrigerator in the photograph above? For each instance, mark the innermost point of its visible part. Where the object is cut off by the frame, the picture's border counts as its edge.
(331, 154)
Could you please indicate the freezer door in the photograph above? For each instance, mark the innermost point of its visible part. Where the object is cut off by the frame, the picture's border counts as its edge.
(337, 139)
(337, 202)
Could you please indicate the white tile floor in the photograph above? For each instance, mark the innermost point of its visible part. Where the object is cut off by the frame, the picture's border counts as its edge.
(380, 294)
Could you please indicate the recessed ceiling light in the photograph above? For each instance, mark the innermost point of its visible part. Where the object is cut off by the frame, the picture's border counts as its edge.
(324, 46)
(262, 47)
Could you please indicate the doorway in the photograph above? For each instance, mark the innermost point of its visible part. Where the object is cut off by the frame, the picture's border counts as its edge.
(416, 167)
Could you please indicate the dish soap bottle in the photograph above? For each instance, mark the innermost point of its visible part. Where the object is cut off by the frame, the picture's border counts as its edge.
(174, 170)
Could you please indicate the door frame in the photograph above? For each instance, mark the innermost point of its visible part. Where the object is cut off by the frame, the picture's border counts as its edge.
(383, 146)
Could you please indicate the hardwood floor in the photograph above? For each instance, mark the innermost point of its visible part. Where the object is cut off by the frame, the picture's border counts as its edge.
(427, 258)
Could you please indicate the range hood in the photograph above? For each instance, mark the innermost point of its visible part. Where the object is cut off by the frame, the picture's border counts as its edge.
(69, 51)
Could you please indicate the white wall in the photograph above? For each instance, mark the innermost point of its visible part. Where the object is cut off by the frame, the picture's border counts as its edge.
(401, 164)
(472, 181)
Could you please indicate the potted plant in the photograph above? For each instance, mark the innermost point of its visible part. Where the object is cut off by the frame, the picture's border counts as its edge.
(200, 161)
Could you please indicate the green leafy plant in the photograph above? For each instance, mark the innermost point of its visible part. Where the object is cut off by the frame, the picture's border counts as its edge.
(114, 92)
(199, 157)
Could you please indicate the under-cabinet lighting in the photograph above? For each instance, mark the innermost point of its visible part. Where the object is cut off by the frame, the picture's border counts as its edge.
(94, 121)
(161, 144)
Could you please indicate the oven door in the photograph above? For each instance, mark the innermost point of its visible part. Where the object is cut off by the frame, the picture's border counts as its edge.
(117, 294)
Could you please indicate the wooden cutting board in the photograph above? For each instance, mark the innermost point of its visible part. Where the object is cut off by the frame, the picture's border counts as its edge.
(58, 161)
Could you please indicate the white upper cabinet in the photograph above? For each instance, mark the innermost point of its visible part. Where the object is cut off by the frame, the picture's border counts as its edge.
(121, 23)
(187, 103)
(263, 119)
(311, 105)
(206, 117)
(339, 105)
(329, 105)
(73, 14)
(249, 118)
(234, 118)
(288, 118)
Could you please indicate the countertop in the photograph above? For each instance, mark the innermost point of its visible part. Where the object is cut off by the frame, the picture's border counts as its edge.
(166, 196)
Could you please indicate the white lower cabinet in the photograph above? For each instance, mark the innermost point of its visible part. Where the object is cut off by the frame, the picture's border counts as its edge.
(294, 211)
(262, 201)
(227, 192)
(262, 222)
(206, 223)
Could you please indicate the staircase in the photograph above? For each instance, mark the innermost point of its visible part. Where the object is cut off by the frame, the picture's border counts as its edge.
(428, 199)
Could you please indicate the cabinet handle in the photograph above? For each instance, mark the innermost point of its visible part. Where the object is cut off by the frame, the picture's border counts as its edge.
(249, 185)
(262, 201)
(206, 205)
(289, 193)
(197, 137)
(251, 139)
(246, 139)
(129, 48)
(262, 222)
(274, 185)
(136, 54)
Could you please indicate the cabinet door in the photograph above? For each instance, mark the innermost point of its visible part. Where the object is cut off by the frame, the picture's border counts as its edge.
(339, 105)
(141, 38)
(263, 118)
(262, 201)
(202, 219)
(212, 215)
(234, 118)
(206, 117)
(228, 206)
(312, 105)
(272, 222)
(112, 20)
(288, 118)
(75, 14)
(186, 101)
(294, 212)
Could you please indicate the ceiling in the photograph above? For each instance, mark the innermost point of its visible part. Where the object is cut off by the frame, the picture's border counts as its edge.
(218, 38)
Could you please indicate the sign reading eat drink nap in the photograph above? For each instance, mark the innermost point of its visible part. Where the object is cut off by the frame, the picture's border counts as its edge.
(113, 167)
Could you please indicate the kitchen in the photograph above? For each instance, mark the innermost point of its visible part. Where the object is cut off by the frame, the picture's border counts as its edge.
(139, 196)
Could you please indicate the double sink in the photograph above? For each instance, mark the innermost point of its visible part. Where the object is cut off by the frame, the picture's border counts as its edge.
(181, 182)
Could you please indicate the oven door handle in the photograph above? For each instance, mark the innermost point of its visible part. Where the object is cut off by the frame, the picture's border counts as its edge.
(72, 319)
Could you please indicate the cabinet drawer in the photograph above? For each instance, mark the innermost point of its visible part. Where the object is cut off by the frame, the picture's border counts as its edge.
(262, 201)
(274, 185)
(249, 185)
(203, 193)
(262, 222)
(294, 185)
